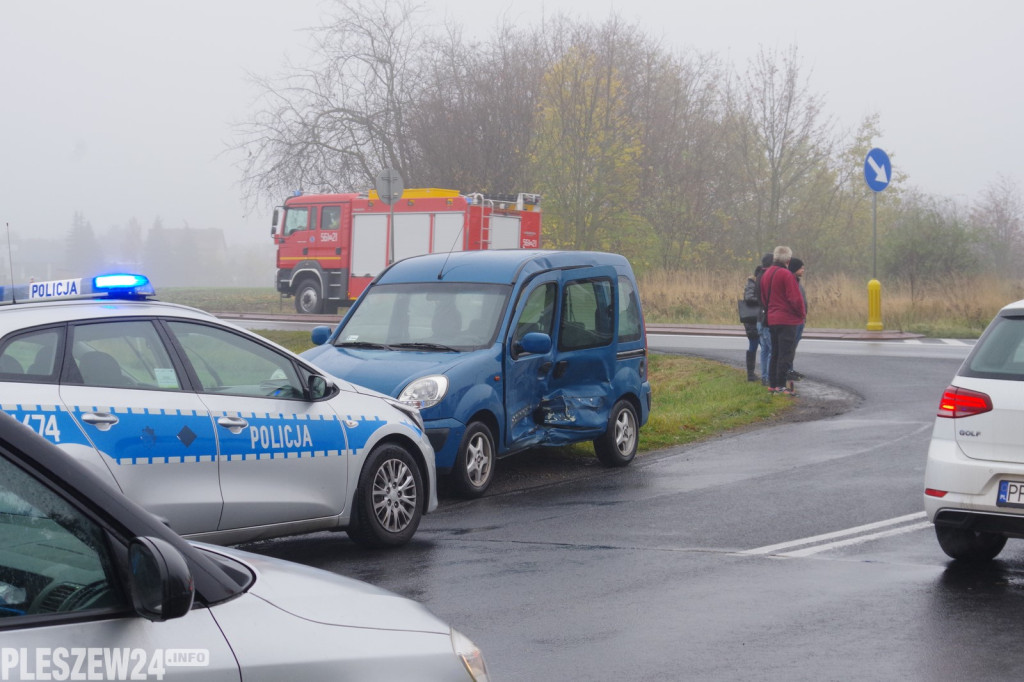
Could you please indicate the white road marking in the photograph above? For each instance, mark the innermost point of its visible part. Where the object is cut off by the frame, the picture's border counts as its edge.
(847, 533)
(808, 551)
(955, 342)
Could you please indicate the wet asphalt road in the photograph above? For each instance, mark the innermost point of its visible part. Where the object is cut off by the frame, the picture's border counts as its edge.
(794, 552)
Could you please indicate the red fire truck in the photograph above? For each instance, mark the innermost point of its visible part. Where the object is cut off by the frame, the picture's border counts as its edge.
(330, 246)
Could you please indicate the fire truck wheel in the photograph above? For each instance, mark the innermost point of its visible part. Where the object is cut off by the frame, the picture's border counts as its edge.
(307, 298)
(475, 462)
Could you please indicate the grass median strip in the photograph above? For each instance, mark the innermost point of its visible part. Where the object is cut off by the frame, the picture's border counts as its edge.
(693, 398)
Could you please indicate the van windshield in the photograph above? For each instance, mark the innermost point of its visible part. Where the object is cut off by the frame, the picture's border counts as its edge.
(427, 316)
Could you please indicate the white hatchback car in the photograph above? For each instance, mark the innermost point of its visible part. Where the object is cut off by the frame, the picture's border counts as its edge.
(224, 435)
(974, 477)
(93, 587)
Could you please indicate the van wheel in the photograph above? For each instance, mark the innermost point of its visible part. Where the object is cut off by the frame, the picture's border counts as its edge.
(969, 545)
(617, 447)
(388, 503)
(307, 298)
(475, 462)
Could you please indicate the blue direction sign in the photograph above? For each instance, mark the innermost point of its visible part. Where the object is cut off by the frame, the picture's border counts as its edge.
(877, 170)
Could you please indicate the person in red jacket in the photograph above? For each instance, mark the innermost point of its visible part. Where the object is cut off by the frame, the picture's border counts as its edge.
(780, 294)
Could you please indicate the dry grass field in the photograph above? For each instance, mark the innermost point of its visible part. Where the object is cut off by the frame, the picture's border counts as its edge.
(955, 307)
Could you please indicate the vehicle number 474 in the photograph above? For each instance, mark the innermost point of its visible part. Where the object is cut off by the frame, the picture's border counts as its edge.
(43, 424)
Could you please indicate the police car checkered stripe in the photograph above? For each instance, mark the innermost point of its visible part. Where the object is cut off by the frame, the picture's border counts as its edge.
(274, 433)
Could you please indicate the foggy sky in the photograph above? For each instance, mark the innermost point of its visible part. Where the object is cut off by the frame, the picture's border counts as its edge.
(123, 108)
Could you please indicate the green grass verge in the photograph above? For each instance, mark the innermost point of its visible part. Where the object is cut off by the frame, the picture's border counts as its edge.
(693, 399)
(228, 299)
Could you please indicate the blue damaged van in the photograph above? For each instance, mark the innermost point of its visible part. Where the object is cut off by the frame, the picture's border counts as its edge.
(502, 350)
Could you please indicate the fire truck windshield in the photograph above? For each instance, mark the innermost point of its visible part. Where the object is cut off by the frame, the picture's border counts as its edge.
(457, 316)
(295, 219)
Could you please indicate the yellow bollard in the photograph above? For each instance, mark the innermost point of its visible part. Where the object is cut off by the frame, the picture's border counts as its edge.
(874, 306)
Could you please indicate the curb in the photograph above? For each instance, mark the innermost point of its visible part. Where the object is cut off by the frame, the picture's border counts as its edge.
(678, 329)
(809, 332)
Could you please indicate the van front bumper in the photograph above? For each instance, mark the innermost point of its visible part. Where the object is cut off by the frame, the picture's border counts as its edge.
(445, 435)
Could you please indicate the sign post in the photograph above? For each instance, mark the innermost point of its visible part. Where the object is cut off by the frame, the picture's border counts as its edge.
(877, 174)
(389, 188)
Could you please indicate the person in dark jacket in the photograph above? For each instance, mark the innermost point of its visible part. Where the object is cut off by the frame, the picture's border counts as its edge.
(764, 334)
(757, 331)
(750, 326)
(780, 295)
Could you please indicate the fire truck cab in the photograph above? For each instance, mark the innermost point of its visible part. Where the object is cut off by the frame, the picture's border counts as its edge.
(331, 246)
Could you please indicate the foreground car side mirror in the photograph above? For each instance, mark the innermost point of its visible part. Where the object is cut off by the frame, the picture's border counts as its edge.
(160, 581)
(320, 334)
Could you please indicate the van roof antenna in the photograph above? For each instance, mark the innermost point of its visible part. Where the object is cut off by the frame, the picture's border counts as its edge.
(470, 198)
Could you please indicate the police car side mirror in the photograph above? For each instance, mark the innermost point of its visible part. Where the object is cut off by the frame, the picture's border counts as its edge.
(318, 386)
(320, 334)
(160, 581)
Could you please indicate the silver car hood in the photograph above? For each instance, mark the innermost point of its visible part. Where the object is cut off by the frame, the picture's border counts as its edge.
(323, 597)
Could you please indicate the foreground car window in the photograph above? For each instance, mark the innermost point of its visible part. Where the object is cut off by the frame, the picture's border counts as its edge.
(999, 354)
(53, 560)
(226, 362)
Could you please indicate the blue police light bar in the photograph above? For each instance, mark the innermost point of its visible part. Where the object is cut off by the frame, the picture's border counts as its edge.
(121, 286)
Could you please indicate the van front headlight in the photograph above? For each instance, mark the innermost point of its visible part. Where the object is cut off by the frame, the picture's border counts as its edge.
(471, 656)
(425, 392)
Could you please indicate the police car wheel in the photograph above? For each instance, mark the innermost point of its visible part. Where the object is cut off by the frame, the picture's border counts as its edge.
(617, 446)
(388, 502)
(475, 462)
(969, 545)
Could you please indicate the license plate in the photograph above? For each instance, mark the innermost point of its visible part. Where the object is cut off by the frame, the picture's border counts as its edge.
(1011, 494)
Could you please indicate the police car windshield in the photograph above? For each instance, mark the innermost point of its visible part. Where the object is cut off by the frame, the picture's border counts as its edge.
(427, 316)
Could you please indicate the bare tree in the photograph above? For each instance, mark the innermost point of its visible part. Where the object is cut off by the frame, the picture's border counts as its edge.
(333, 126)
(683, 167)
(782, 141)
(586, 148)
(475, 121)
(930, 241)
(998, 220)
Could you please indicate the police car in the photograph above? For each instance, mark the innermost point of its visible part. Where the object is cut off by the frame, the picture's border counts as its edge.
(221, 433)
(93, 587)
